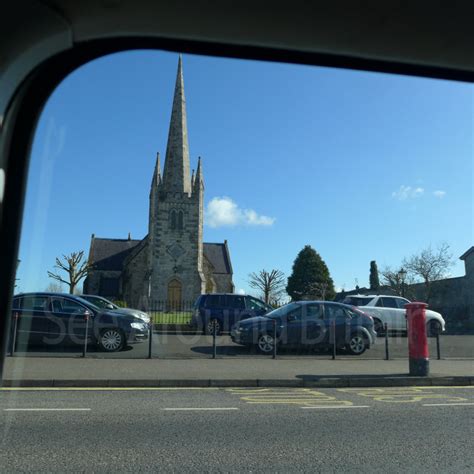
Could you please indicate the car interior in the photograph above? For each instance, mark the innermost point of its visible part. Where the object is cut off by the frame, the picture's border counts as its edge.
(43, 41)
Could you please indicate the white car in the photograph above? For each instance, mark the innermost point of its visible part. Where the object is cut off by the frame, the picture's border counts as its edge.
(390, 310)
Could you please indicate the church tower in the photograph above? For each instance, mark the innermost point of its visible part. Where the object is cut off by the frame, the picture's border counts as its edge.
(175, 234)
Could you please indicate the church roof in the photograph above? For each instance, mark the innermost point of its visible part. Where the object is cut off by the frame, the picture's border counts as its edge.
(110, 254)
(218, 256)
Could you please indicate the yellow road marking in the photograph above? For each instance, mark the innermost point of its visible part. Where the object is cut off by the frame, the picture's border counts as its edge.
(402, 394)
(297, 396)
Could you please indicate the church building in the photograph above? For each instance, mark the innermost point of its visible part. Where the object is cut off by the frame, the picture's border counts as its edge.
(172, 263)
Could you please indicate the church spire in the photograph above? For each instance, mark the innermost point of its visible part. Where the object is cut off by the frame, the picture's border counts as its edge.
(176, 173)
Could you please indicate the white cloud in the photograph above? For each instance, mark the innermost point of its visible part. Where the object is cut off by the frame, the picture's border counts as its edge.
(439, 194)
(223, 211)
(241, 291)
(407, 192)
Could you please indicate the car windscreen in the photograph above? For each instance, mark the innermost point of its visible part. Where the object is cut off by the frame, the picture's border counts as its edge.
(282, 311)
(357, 301)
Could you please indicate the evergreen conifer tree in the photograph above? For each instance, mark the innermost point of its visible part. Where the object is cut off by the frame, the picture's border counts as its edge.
(310, 278)
(374, 276)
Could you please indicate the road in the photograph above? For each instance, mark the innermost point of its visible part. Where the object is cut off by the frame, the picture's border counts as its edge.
(423, 429)
(193, 345)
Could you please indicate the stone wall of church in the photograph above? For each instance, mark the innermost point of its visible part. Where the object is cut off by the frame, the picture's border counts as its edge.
(98, 283)
(135, 280)
(224, 283)
(176, 253)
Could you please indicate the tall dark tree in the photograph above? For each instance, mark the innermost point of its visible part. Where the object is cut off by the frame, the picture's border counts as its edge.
(310, 278)
(374, 276)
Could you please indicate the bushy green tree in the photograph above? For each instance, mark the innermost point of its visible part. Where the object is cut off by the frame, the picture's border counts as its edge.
(310, 278)
(374, 276)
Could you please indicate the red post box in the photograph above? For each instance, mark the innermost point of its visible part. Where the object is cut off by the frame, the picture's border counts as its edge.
(417, 339)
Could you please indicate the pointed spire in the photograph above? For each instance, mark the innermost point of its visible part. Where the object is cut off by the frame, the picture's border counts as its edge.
(176, 173)
(192, 179)
(199, 179)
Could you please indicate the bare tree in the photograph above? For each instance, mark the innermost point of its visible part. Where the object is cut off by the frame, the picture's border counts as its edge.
(54, 288)
(271, 284)
(74, 267)
(430, 265)
(397, 281)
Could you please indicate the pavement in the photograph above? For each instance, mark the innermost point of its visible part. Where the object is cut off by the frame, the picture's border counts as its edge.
(390, 430)
(225, 372)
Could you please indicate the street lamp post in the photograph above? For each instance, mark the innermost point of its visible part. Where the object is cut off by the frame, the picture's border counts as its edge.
(402, 275)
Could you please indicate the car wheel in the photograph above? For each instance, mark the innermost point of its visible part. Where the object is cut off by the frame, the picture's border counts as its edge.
(379, 326)
(111, 340)
(265, 343)
(433, 328)
(357, 344)
(210, 327)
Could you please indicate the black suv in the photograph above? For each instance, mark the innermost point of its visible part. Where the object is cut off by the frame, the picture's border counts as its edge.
(222, 310)
(56, 319)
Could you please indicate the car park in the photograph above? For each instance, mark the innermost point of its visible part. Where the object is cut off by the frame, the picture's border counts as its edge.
(220, 311)
(311, 324)
(104, 303)
(390, 310)
(56, 319)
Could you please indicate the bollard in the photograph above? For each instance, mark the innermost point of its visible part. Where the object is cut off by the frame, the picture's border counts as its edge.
(15, 330)
(438, 351)
(150, 342)
(333, 329)
(214, 348)
(84, 349)
(418, 352)
(386, 341)
(274, 339)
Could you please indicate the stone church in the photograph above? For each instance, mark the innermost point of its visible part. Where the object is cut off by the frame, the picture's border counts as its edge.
(171, 263)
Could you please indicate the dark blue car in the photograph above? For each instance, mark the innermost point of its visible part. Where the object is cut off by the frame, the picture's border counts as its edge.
(308, 324)
(56, 319)
(220, 311)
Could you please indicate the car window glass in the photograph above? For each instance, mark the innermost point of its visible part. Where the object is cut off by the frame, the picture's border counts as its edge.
(16, 303)
(235, 301)
(296, 313)
(213, 301)
(255, 304)
(402, 302)
(389, 302)
(379, 303)
(333, 311)
(34, 303)
(312, 311)
(63, 305)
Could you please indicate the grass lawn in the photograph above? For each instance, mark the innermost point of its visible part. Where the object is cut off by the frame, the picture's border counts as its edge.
(173, 317)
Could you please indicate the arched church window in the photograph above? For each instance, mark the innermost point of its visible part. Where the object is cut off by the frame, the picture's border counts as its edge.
(180, 220)
(173, 220)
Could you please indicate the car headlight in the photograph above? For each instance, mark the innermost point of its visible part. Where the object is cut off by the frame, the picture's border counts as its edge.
(141, 326)
(142, 316)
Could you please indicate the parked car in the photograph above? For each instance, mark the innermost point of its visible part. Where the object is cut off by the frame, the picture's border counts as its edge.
(104, 303)
(57, 319)
(308, 324)
(391, 310)
(223, 310)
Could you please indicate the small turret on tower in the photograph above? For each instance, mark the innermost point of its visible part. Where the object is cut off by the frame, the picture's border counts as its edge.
(198, 184)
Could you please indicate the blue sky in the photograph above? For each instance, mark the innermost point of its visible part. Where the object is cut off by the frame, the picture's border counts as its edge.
(361, 166)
